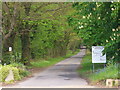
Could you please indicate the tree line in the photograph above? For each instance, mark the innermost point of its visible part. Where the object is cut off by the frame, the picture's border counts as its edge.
(36, 30)
(44, 30)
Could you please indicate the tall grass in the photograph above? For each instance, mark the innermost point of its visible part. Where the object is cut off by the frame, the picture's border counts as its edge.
(110, 72)
(101, 73)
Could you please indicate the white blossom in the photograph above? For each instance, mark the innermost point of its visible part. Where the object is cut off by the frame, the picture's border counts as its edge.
(83, 16)
(106, 40)
(113, 29)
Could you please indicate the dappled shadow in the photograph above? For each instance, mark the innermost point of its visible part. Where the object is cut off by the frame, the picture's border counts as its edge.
(64, 68)
(69, 75)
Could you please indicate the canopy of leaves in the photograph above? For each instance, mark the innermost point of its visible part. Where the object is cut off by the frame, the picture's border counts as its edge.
(97, 23)
(37, 30)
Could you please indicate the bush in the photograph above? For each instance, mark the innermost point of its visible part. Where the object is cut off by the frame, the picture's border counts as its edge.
(18, 65)
(4, 71)
(22, 69)
(19, 71)
(16, 73)
(23, 73)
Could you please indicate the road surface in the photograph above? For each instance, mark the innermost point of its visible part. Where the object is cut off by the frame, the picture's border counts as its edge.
(61, 75)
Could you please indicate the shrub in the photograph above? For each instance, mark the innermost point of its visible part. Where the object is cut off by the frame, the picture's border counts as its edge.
(16, 73)
(23, 73)
(4, 71)
(18, 65)
(19, 71)
(22, 69)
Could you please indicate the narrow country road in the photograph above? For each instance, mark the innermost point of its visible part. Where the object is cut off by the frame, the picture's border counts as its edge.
(61, 75)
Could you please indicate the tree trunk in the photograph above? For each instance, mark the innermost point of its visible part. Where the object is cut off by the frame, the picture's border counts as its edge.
(25, 41)
(25, 37)
(8, 42)
(0, 48)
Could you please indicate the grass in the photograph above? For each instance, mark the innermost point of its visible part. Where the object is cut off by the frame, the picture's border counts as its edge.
(51, 61)
(101, 73)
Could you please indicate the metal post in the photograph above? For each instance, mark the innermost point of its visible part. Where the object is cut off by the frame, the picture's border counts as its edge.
(104, 65)
(93, 67)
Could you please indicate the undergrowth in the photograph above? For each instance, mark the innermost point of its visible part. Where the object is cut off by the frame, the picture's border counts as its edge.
(101, 73)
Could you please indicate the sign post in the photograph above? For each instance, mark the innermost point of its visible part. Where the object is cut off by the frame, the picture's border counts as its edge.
(97, 56)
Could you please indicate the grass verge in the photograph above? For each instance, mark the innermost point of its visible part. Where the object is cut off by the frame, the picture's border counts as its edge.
(51, 61)
(101, 73)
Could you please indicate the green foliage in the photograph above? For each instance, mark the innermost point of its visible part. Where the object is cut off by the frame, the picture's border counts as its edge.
(97, 23)
(40, 30)
(106, 73)
(52, 61)
(6, 58)
(16, 73)
(4, 71)
(52, 37)
(48, 36)
(101, 73)
(23, 73)
(18, 65)
(15, 55)
(19, 71)
(17, 51)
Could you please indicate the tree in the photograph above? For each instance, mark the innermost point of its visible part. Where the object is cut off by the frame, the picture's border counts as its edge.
(97, 24)
(10, 16)
(36, 29)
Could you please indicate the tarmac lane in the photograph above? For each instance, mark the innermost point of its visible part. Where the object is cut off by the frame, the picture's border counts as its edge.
(61, 75)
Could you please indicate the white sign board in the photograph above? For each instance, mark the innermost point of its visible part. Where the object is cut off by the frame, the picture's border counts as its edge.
(97, 56)
(10, 48)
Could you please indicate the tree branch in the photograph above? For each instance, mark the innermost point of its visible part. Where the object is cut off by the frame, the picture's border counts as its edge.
(44, 4)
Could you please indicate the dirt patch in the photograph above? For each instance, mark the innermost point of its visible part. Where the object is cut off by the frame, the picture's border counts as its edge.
(36, 70)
